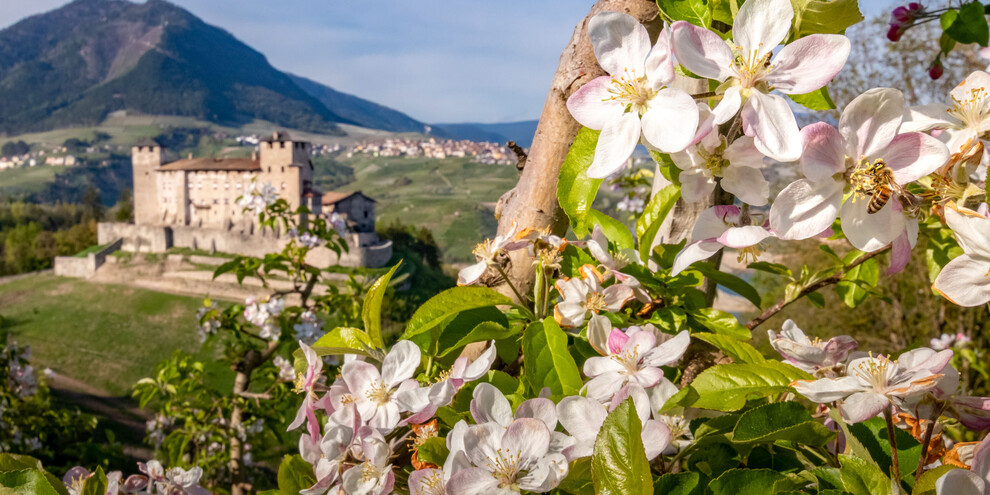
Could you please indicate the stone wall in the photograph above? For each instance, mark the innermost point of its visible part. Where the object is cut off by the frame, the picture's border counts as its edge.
(85, 267)
(136, 238)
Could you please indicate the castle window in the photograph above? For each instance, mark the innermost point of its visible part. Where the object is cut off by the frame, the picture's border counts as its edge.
(269, 170)
(281, 144)
(216, 201)
(283, 169)
(365, 213)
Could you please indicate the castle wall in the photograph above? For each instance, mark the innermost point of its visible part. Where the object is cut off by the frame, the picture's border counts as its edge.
(136, 238)
(73, 266)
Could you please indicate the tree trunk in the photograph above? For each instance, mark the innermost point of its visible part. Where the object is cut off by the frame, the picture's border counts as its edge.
(533, 202)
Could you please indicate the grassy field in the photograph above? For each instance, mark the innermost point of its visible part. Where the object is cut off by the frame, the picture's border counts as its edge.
(27, 179)
(105, 335)
(454, 198)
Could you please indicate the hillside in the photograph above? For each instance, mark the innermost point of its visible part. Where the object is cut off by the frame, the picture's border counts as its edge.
(521, 132)
(75, 65)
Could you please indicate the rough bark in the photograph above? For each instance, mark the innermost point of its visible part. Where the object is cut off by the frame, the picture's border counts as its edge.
(533, 202)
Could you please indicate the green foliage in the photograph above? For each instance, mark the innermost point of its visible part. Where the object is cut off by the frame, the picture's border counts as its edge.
(575, 191)
(739, 350)
(788, 421)
(294, 475)
(371, 312)
(648, 224)
(861, 477)
(824, 16)
(816, 100)
(967, 24)
(697, 12)
(437, 313)
(619, 465)
(548, 363)
(676, 483)
(745, 482)
(727, 387)
(433, 451)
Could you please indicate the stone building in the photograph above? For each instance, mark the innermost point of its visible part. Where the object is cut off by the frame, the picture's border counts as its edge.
(356, 208)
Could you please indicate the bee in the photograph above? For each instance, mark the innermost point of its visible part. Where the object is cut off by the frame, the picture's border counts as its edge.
(881, 186)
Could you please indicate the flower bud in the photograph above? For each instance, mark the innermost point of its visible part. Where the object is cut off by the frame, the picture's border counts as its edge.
(901, 15)
(914, 6)
(894, 33)
(936, 70)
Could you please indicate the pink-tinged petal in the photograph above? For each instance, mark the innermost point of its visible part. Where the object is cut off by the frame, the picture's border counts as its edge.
(870, 231)
(541, 409)
(761, 25)
(914, 155)
(617, 339)
(870, 121)
(728, 107)
(472, 481)
(701, 51)
(604, 386)
(621, 43)
(592, 105)
(900, 253)
(480, 365)
(489, 404)
(581, 417)
(401, 362)
(529, 437)
(660, 61)
(927, 117)
(482, 442)
(615, 145)
(695, 251)
(747, 184)
(656, 438)
(647, 377)
(827, 389)
(804, 208)
(668, 352)
(639, 341)
(824, 151)
(862, 406)
(599, 331)
(809, 63)
(770, 122)
(981, 459)
(924, 359)
(671, 120)
(713, 221)
(471, 274)
(616, 296)
(959, 482)
(422, 480)
(595, 366)
(696, 187)
(743, 153)
(971, 230)
(360, 376)
(740, 237)
(964, 281)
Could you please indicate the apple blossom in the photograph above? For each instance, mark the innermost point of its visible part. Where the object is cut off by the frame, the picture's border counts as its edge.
(428, 481)
(428, 399)
(975, 481)
(872, 383)
(632, 356)
(750, 70)
(718, 227)
(486, 254)
(837, 161)
(489, 405)
(258, 198)
(812, 355)
(380, 396)
(678, 426)
(965, 280)
(374, 476)
(306, 384)
(963, 117)
(508, 460)
(583, 418)
(632, 101)
(328, 455)
(973, 412)
(584, 294)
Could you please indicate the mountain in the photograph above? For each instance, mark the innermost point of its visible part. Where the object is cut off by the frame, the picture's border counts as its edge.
(521, 132)
(74, 65)
(358, 110)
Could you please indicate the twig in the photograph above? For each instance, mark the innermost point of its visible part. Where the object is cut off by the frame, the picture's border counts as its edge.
(521, 155)
(895, 468)
(707, 94)
(812, 287)
(923, 460)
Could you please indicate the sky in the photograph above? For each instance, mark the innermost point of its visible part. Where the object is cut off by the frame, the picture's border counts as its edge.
(436, 60)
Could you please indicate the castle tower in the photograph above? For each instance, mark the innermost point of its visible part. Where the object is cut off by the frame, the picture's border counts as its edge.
(146, 158)
(285, 163)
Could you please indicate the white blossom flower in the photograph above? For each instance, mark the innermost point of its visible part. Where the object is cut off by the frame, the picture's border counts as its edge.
(258, 198)
(632, 102)
(974, 481)
(964, 116)
(750, 70)
(327, 456)
(631, 356)
(428, 482)
(286, 372)
(306, 385)
(678, 426)
(840, 161)
(585, 294)
(965, 280)
(583, 418)
(632, 204)
(486, 254)
(719, 227)
(815, 356)
(380, 396)
(374, 476)
(309, 329)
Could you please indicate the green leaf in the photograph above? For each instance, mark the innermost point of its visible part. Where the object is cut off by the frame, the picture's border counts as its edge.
(484, 331)
(967, 25)
(824, 16)
(96, 484)
(729, 281)
(774, 268)
(713, 459)
(788, 421)
(433, 450)
(722, 323)
(697, 12)
(739, 351)
(926, 483)
(855, 284)
(619, 465)
(548, 362)
(649, 223)
(447, 304)
(815, 100)
(578, 480)
(457, 328)
(745, 482)
(343, 340)
(575, 191)
(17, 462)
(294, 475)
(614, 230)
(371, 312)
(861, 477)
(727, 387)
(30, 482)
(872, 434)
(676, 483)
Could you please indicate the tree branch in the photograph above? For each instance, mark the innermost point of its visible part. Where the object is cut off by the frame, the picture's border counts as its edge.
(812, 287)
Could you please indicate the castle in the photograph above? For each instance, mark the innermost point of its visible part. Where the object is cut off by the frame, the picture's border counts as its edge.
(192, 203)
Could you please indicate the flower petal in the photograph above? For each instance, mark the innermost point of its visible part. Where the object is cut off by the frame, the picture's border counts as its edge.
(747, 184)
(656, 438)
(809, 63)
(744, 153)
(761, 25)
(728, 107)
(960, 482)
(804, 208)
(870, 121)
(471, 274)
(668, 352)
(740, 237)
(696, 187)
(870, 231)
(913, 155)
(701, 51)
(401, 362)
(824, 151)
(972, 230)
(827, 389)
(660, 61)
(862, 406)
(489, 404)
(599, 329)
(964, 281)
(615, 145)
(621, 43)
(581, 417)
(529, 437)
(671, 120)
(539, 408)
(472, 481)
(927, 117)
(770, 122)
(592, 105)
(695, 251)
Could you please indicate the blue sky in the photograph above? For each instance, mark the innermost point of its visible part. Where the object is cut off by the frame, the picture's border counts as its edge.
(437, 60)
